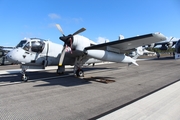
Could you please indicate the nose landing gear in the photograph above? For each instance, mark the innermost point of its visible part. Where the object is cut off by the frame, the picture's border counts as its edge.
(60, 70)
(23, 72)
(25, 78)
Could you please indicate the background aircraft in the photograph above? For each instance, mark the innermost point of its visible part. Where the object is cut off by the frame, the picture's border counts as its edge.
(3, 52)
(164, 45)
(77, 50)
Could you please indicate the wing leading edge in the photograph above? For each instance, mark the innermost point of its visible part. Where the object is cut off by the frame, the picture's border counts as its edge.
(165, 42)
(129, 43)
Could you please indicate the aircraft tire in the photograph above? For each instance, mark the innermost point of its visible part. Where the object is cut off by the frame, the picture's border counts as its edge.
(59, 73)
(25, 78)
(80, 73)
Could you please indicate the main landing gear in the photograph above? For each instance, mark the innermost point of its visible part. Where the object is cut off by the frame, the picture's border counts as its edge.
(77, 66)
(77, 70)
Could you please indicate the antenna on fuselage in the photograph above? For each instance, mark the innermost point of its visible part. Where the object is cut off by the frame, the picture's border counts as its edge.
(121, 37)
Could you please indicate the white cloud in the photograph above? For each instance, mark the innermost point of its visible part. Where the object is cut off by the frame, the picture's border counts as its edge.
(77, 20)
(102, 40)
(54, 16)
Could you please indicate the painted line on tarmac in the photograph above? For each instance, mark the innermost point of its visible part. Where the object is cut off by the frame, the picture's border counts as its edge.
(11, 71)
(7, 75)
(98, 117)
(34, 80)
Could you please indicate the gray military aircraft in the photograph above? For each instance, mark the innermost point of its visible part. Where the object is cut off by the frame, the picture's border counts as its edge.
(77, 50)
(164, 44)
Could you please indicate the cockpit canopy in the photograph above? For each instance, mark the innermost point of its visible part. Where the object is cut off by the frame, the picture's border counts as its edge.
(32, 44)
(21, 44)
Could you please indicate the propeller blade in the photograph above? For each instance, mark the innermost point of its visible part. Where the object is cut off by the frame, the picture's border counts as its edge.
(62, 56)
(60, 29)
(67, 41)
(79, 31)
(171, 39)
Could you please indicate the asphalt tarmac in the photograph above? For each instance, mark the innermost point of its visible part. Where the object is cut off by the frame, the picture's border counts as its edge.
(104, 89)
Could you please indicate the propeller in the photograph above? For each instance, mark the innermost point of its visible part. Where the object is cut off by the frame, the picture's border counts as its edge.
(60, 29)
(68, 41)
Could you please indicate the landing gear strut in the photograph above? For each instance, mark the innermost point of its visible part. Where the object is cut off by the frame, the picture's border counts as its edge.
(77, 66)
(24, 76)
(60, 70)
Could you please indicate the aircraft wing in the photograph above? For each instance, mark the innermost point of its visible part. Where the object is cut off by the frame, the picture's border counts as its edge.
(165, 42)
(129, 43)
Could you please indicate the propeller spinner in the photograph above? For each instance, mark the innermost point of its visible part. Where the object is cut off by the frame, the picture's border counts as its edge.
(68, 41)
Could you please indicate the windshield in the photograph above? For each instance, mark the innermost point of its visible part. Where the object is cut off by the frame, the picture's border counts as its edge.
(21, 44)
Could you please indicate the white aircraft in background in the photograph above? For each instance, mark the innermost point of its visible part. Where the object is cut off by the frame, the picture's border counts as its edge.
(77, 50)
(165, 45)
(3, 52)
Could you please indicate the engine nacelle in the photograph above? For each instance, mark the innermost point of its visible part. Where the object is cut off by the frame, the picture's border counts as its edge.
(110, 56)
(80, 42)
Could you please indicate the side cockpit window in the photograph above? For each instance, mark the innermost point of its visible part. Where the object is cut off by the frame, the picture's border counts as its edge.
(27, 47)
(37, 46)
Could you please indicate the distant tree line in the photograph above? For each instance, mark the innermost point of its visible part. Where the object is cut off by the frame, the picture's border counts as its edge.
(169, 50)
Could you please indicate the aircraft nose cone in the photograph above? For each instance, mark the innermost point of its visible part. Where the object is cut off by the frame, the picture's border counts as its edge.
(9, 57)
(12, 56)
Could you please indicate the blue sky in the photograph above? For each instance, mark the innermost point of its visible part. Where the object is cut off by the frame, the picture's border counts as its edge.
(103, 19)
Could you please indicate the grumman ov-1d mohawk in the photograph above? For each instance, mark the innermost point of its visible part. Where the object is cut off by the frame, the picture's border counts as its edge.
(165, 45)
(77, 50)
